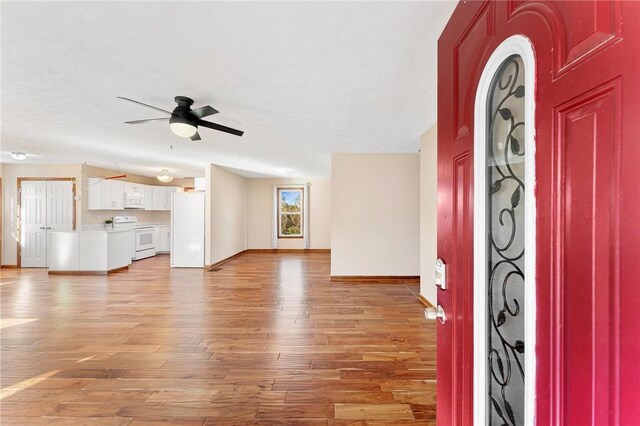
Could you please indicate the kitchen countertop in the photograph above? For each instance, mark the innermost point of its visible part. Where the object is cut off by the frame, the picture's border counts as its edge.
(100, 226)
(92, 231)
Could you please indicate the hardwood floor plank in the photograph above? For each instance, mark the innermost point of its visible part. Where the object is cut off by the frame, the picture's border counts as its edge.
(82, 409)
(295, 411)
(353, 397)
(133, 384)
(182, 396)
(66, 421)
(189, 410)
(373, 411)
(172, 422)
(26, 409)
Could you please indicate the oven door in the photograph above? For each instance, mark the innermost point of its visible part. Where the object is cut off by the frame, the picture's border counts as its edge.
(145, 239)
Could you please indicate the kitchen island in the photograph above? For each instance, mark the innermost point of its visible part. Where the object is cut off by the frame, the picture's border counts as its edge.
(89, 252)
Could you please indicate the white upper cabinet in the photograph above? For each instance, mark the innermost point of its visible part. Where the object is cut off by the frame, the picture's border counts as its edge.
(159, 198)
(104, 194)
(170, 190)
(112, 194)
(134, 188)
(199, 184)
(148, 197)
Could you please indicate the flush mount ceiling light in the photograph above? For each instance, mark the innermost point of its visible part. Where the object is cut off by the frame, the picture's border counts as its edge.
(19, 156)
(165, 176)
(281, 170)
(182, 127)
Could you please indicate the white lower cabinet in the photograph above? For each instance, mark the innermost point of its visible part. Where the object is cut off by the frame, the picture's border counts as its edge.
(163, 239)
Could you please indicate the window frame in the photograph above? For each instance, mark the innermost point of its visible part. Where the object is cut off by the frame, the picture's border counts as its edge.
(280, 212)
(521, 46)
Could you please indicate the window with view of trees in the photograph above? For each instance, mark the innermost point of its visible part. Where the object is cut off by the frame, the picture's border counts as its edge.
(290, 212)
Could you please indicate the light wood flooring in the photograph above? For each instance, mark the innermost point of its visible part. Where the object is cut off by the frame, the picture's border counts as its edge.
(267, 339)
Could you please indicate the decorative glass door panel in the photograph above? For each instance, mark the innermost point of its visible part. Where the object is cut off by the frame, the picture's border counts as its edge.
(505, 244)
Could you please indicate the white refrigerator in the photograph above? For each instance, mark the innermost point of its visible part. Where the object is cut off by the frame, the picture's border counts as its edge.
(187, 230)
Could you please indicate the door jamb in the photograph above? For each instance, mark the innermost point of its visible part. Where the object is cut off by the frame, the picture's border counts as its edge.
(522, 46)
(19, 202)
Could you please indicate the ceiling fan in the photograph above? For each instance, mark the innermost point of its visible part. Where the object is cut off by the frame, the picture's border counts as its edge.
(184, 121)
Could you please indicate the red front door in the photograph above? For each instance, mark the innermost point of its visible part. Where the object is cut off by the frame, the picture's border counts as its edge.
(587, 189)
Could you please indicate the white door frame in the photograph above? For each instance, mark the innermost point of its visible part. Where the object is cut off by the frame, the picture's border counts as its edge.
(19, 207)
(521, 46)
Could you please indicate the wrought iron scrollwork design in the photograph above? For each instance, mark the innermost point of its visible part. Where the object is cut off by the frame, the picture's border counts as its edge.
(505, 280)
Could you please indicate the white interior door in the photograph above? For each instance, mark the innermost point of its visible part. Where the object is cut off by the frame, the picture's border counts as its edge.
(33, 223)
(45, 206)
(59, 209)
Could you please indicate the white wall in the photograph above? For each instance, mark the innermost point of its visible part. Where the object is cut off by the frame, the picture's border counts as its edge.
(260, 214)
(226, 214)
(375, 219)
(428, 212)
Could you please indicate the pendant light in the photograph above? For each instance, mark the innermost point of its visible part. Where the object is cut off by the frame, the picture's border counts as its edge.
(19, 156)
(165, 176)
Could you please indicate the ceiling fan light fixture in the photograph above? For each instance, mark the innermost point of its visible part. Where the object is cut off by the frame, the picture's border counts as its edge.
(164, 176)
(19, 156)
(183, 127)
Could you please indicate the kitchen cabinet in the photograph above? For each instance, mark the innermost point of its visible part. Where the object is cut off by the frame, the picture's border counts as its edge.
(89, 251)
(161, 197)
(105, 194)
(159, 201)
(163, 239)
(199, 184)
(134, 188)
(170, 191)
(148, 197)
(112, 194)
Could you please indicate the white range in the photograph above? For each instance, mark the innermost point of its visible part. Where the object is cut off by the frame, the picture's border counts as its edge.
(146, 240)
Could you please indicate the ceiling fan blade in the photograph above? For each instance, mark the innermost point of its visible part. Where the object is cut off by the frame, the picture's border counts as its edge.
(140, 103)
(219, 127)
(204, 111)
(196, 137)
(146, 121)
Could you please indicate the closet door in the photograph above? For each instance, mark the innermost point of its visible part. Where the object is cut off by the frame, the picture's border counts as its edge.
(45, 206)
(60, 215)
(33, 224)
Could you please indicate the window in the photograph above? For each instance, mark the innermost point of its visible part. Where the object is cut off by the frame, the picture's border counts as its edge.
(506, 255)
(290, 212)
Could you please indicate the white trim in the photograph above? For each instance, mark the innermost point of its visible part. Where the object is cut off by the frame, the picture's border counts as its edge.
(305, 218)
(302, 213)
(306, 189)
(514, 45)
(274, 230)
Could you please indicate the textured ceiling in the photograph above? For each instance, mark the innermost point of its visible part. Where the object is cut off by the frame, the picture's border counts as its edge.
(301, 79)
